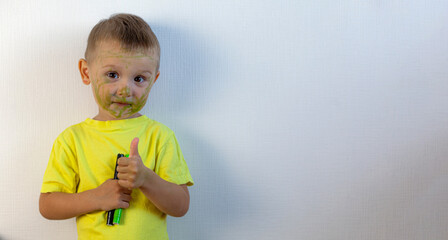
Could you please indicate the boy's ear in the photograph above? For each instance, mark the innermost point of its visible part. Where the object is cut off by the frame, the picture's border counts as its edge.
(157, 76)
(84, 70)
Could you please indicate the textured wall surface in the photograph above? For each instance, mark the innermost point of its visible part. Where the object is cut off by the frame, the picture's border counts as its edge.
(298, 119)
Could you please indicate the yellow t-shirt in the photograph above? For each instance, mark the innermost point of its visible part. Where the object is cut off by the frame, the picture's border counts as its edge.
(84, 156)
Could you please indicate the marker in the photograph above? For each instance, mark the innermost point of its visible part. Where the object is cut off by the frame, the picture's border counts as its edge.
(117, 214)
(114, 215)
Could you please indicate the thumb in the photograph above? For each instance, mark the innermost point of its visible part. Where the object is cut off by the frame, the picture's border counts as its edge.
(134, 148)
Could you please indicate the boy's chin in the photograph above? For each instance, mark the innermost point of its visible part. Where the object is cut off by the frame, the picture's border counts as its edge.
(121, 114)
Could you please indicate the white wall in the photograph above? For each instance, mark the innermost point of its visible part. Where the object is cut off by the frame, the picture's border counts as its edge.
(298, 119)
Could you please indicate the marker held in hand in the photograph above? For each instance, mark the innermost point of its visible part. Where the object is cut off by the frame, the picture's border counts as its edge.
(114, 215)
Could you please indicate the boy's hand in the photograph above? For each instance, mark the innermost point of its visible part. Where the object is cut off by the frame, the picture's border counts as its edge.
(110, 195)
(132, 173)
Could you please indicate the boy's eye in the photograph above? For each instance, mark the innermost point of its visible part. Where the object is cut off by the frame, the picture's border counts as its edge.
(112, 74)
(139, 79)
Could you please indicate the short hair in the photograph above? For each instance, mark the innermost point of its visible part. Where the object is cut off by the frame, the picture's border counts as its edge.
(130, 30)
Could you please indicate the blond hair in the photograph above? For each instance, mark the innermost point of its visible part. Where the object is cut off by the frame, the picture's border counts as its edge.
(130, 30)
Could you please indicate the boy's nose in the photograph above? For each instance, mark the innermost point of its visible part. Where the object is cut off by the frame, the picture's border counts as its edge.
(124, 90)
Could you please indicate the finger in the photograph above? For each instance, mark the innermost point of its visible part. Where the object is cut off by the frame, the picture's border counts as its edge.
(122, 176)
(126, 198)
(134, 148)
(127, 191)
(123, 161)
(125, 184)
(124, 204)
(122, 169)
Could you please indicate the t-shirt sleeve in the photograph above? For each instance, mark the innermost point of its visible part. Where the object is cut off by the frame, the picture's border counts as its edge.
(171, 165)
(61, 174)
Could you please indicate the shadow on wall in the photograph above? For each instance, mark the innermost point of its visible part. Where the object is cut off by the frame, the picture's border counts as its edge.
(185, 86)
(400, 194)
(215, 208)
(182, 85)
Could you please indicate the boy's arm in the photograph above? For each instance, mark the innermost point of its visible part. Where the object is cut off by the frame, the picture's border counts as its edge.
(59, 205)
(168, 197)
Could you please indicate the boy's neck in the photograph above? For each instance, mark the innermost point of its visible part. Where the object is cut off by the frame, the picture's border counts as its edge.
(100, 117)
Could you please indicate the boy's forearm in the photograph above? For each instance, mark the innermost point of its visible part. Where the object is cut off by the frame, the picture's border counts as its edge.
(58, 205)
(168, 197)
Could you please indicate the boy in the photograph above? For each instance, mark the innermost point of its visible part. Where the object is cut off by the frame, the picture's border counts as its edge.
(122, 64)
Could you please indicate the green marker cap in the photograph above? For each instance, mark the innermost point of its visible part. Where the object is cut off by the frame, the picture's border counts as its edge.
(117, 216)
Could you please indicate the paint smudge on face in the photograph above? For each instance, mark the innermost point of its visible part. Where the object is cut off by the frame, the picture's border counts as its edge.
(104, 98)
(110, 90)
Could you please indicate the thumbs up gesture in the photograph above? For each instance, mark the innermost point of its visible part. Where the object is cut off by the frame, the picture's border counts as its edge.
(132, 173)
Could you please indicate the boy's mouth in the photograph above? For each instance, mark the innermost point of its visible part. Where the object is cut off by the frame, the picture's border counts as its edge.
(122, 104)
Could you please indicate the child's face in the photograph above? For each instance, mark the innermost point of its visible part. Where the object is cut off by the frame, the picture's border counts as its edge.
(121, 80)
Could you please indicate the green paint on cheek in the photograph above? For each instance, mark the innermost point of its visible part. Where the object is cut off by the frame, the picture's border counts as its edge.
(98, 89)
(103, 98)
(140, 102)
